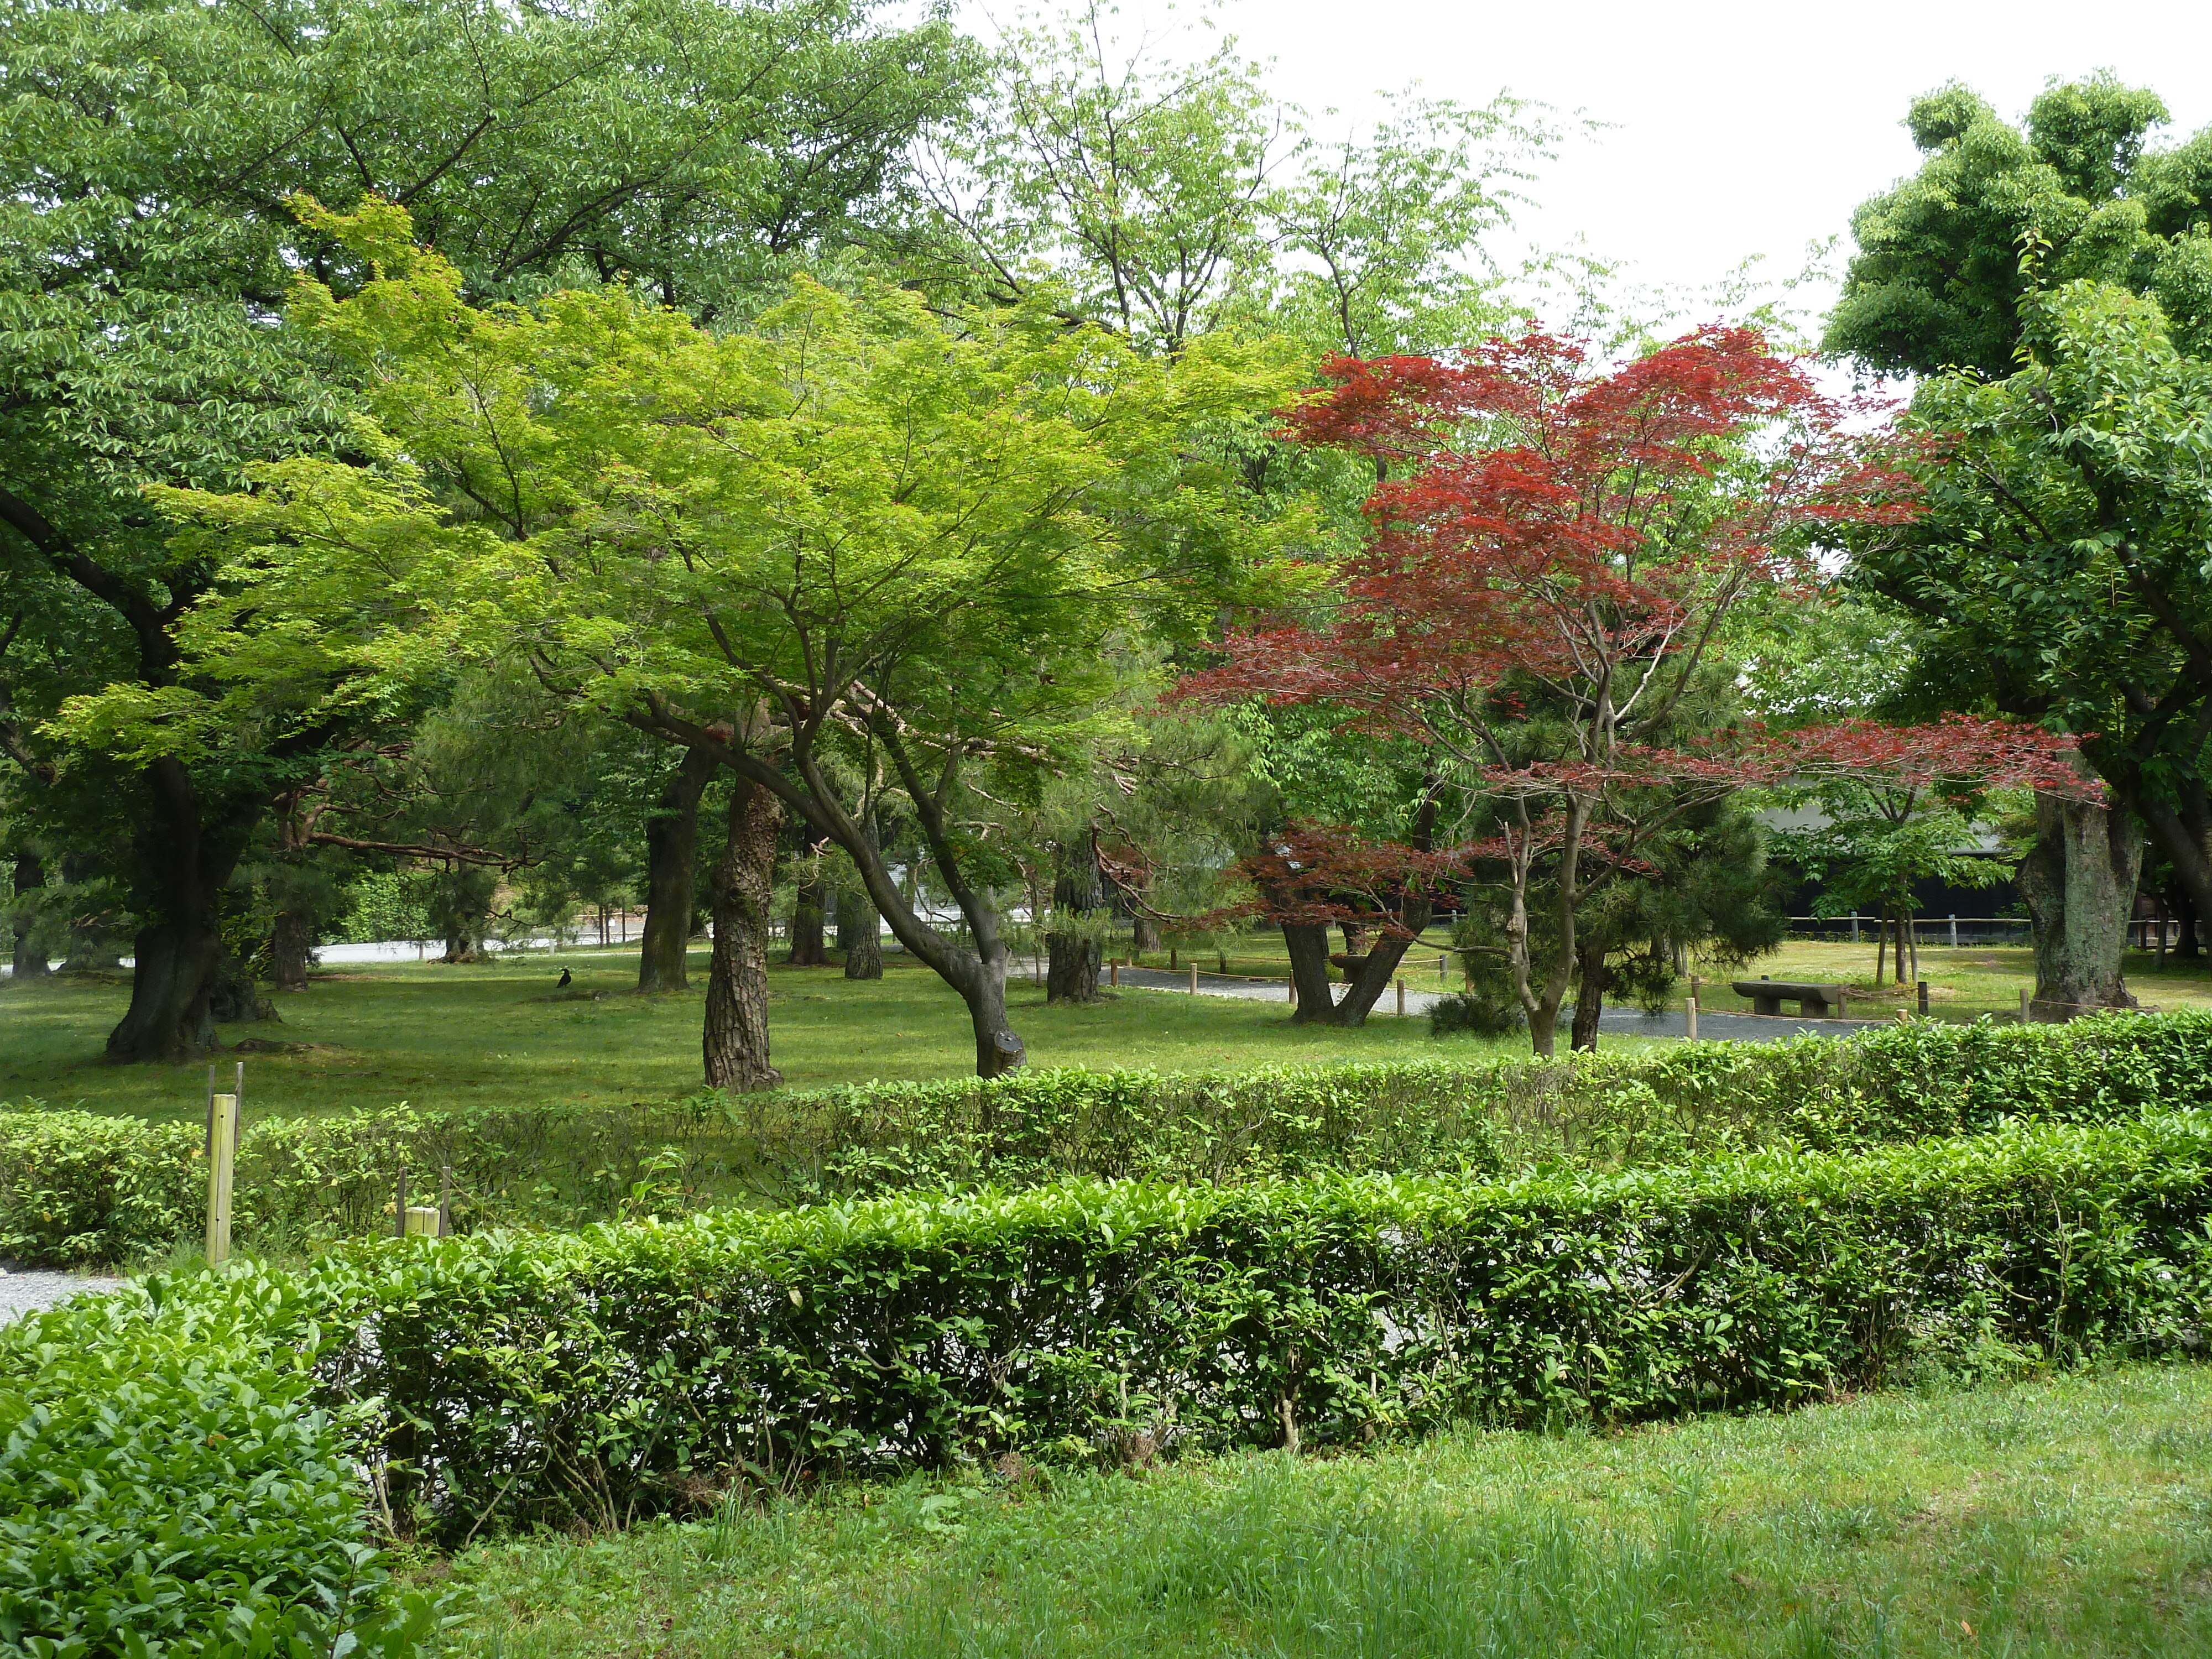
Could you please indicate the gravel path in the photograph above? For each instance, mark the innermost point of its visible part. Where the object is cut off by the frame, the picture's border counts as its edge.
(26, 1290)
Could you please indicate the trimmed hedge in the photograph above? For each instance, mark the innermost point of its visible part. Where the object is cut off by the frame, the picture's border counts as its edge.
(171, 1487)
(539, 1379)
(77, 1187)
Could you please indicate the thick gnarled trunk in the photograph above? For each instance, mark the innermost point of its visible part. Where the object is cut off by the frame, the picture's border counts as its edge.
(672, 864)
(735, 1040)
(183, 865)
(2078, 881)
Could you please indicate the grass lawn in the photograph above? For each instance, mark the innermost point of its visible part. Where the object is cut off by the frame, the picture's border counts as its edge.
(489, 1034)
(1970, 981)
(2072, 1517)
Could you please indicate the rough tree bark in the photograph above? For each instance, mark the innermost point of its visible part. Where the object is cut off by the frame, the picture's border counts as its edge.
(2078, 881)
(860, 933)
(1144, 934)
(859, 924)
(672, 865)
(808, 949)
(1307, 943)
(1594, 979)
(29, 956)
(1071, 972)
(979, 976)
(735, 1040)
(183, 862)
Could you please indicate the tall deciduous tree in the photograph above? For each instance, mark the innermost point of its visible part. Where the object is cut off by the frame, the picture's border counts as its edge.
(2060, 570)
(849, 523)
(1938, 284)
(146, 242)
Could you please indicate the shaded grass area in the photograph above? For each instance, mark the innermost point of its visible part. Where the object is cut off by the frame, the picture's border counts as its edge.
(2069, 1516)
(499, 1034)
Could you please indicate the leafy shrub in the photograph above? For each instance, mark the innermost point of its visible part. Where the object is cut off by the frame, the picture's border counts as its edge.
(302, 1180)
(171, 1487)
(538, 1378)
(75, 1186)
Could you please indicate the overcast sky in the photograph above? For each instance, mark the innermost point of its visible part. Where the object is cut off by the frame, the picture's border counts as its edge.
(1737, 129)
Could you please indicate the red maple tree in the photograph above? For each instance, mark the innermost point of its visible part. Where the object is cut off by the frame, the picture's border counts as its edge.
(1554, 548)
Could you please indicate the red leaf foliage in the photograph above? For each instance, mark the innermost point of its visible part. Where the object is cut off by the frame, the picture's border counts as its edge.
(1548, 519)
(1555, 534)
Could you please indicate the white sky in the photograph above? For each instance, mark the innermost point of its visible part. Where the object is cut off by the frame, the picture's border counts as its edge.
(1738, 129)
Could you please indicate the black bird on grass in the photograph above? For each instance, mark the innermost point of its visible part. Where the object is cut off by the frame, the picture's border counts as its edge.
(565, 977)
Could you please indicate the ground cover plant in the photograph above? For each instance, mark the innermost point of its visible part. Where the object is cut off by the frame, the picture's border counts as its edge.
(175, 1488)
(2065, 1516)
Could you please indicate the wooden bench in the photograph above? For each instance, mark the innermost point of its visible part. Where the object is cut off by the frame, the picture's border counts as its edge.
(1814, 1001)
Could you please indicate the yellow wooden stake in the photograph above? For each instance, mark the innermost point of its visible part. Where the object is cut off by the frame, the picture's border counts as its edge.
(222, 1147)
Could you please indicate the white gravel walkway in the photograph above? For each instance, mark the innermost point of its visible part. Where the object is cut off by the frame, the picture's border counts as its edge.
(28, 1290)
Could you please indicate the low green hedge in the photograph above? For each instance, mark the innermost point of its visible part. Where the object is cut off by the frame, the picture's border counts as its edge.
(626, 1368)
(76, 1187)
(172, 1487)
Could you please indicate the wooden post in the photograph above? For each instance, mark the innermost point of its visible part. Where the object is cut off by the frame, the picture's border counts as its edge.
(1401, 996)
(1843, 1005)
(1923, 996)
(1440, 968)
(1955, 932)
(445, 1200)
(1113, 971)
(1294, 990)
(1690, 1016)
(1854, 927)
(2025, 1015)
(399, 1205)
(222, 1145)
(1194, 978)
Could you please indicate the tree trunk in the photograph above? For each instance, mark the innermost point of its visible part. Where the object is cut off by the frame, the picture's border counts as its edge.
(30, 955)
(1071, 972)
(2079, 880)
(2182, 832)
(291, 946)
(1594, 979)
(997, 1050)
(1308, 945)
(807, 948)
(672, 866)
(1144, 934)
(859, 934)
(736, 1039)
(184, 864)
(2188, 943)
(235, 999)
